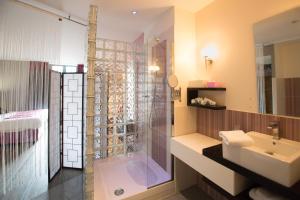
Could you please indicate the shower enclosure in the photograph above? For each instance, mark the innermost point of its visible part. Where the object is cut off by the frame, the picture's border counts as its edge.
(132, 118)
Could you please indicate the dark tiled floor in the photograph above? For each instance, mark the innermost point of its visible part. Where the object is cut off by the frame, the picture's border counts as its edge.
(67, 185)
(193, 193)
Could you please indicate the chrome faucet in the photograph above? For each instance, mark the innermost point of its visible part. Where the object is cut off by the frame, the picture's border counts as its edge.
(274, 127)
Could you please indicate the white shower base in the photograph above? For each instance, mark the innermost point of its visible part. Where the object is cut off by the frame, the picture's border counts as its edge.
(128, 172)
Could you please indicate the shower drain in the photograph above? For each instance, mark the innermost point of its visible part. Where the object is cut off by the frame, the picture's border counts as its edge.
(119, 191)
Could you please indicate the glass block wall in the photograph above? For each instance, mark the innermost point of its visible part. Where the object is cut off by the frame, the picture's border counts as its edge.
(119, 116)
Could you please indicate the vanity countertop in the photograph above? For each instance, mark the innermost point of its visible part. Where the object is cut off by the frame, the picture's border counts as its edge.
(196, 141)
(189, 148)
(215, 153)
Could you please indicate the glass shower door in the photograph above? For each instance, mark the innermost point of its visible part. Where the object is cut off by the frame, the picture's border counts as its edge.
(159, 115)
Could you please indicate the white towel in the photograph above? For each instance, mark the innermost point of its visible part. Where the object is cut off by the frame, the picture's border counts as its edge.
(260, 193)
(236, 138)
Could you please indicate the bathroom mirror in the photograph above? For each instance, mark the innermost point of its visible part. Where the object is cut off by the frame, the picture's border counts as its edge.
(277, 43)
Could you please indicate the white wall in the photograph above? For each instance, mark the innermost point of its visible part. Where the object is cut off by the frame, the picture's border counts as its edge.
(110, 31)
(30, 34)
(73, 43)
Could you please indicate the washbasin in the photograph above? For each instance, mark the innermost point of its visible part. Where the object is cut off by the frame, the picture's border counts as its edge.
(278, 160)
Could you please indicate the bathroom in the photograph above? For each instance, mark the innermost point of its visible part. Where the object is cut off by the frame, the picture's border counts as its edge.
(184, 99)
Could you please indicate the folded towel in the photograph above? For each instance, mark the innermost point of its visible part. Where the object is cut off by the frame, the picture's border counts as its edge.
(260, 193)
(236, 138)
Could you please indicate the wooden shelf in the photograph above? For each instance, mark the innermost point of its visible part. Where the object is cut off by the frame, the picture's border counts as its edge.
(192, 93)
(217, 107)
(207, 89)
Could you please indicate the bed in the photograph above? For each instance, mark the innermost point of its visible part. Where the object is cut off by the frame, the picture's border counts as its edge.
(20, 127)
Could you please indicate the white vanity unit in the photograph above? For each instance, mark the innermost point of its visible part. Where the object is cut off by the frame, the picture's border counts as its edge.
(188, 149)
(278, 160)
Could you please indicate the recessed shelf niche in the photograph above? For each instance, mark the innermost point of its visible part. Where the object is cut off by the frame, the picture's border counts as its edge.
(211, 93)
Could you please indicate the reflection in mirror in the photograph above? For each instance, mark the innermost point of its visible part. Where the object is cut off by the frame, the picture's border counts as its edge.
(277, 42)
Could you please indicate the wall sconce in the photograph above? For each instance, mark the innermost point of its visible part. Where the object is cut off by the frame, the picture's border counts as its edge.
(209, 53)
(208, 60)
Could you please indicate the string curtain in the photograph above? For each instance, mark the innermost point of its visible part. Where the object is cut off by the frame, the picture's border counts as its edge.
(23, 85)
(23, 128)
(29, 34)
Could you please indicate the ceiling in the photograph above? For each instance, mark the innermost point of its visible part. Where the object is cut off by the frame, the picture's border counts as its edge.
(115, 18)
(279, 28)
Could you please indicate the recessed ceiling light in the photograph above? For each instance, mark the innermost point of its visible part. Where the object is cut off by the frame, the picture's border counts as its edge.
(134, 12)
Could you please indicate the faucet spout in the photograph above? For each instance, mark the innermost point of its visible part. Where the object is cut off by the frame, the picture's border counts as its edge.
(274, 127)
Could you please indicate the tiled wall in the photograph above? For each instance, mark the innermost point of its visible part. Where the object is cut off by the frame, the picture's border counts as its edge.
(210, 122)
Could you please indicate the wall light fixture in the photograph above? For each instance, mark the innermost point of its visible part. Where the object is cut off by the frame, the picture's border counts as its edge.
(209, 53)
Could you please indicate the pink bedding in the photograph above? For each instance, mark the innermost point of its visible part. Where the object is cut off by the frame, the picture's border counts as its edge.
(20, 127)
(26, 136)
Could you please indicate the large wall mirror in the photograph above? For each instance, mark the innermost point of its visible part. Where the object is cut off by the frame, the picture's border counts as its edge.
(277, 41)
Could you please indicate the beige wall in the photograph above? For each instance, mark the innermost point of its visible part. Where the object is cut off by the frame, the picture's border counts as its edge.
(287, 60)
(227, 24)
(185, 68)
(185, 49)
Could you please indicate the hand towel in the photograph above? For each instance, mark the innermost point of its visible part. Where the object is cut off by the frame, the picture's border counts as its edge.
(236, 138)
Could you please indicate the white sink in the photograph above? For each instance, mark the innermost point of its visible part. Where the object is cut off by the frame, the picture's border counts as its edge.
(278, 160)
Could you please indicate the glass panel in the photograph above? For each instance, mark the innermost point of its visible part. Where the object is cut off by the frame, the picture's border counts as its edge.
(159, 117)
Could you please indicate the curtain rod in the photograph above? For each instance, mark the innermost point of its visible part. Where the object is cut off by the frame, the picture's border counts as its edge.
(54, 11)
